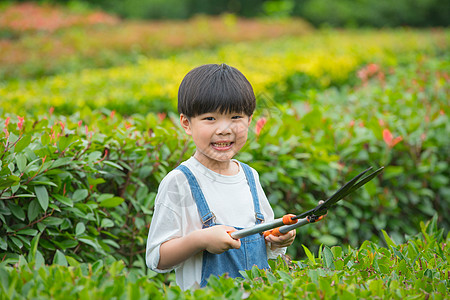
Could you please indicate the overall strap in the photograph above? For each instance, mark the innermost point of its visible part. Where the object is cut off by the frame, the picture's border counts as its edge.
(252, 183)
(208, 218)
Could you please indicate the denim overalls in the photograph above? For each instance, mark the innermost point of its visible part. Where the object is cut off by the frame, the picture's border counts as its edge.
(253, 248)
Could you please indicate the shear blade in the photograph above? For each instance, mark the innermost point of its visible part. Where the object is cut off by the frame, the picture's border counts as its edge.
(346, 189)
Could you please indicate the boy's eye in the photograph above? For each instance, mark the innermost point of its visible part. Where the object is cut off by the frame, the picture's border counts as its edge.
(209, 118)
(236, 117)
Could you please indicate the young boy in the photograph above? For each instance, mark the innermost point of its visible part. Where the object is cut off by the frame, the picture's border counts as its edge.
(212, 194)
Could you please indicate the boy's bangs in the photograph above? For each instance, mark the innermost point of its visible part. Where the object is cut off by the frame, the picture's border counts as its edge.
(223, 98)
(215, 88)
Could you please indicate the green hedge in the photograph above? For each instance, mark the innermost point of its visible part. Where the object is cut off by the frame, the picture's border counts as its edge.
(89, 189)
(414, 270)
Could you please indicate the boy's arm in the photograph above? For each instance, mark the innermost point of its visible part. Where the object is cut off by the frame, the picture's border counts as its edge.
(213, 239)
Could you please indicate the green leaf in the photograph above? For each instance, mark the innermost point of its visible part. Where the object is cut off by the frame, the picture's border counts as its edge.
(60, 259)
(309, 255)
(60, 162)
(327, 258)
(72, 261)
(28, 231)
(64, 142)
(79, 195)
(337, 251)
(43, 183)
(3, 243)
(106, 223)
(52, 221)
(24, 141)
(21, 161)
(388, 240)
(16, 241)
(63, 200)
(110, 163)
(80, 229)
(111, 202)
(42, 195)
(17, 211)
(33, 211)
(33, 248)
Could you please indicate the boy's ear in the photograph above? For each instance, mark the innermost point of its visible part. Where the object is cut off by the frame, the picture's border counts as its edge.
(250, 119)
(184, 121)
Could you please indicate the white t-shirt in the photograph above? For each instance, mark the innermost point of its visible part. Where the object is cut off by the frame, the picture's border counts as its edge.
(176, 214)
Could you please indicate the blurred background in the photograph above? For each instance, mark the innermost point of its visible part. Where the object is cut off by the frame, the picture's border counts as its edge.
(89, 125)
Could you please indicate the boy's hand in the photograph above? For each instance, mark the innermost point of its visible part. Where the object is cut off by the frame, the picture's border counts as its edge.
(282, 240)
(217, 239)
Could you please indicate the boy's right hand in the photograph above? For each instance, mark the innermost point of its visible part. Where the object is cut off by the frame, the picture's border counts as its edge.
(218, 240)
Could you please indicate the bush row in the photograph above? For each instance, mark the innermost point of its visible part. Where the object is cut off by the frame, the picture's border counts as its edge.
(328, 58)
(86, 186)
(416, 269)
(55, 41)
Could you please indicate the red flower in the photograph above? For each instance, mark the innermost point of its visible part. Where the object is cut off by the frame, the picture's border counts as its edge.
(21, 120)
(260, 124)
(389, 139)
(162, 116)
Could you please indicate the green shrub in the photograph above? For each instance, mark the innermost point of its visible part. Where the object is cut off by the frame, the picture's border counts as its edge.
(64, 183)
(93, 188)
(416, 269)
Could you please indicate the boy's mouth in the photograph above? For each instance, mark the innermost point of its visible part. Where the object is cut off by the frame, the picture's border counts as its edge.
(222, 145)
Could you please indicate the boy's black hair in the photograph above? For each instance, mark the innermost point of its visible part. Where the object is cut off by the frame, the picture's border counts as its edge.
(213, 87)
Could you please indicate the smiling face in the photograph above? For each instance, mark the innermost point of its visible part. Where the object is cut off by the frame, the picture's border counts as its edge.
(218, 138)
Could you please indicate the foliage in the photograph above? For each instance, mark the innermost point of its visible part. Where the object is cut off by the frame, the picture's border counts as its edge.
(56, 41)
(416, 269)
(90, 183)
(397, 118)
(325, 59)
(63, 184)
(374, 13)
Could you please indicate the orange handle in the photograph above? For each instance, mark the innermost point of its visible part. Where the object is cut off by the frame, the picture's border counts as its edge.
(275, 232)
(287, 219)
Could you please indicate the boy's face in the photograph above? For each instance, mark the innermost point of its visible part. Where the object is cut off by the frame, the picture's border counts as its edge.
(218, 137)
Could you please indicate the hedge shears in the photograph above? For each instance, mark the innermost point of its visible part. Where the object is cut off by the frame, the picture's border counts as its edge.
(289, 222)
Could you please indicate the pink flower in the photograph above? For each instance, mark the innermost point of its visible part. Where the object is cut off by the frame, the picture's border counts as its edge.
(80, 123)
(7, 121)
(381, 122)
(21, 120)
(51, 110)
(62, 125)
(389, 139)
(260, 124)
(111, 115)
(162, 116)
(352, 123)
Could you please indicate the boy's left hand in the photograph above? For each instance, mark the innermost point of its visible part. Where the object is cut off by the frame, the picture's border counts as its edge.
(282, 240)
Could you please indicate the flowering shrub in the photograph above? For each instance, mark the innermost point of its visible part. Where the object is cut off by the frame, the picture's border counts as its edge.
(90, 183)
(276, 68)
(32, 17)
(416, 269)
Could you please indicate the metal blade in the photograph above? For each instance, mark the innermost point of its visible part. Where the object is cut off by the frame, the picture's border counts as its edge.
(342, 192)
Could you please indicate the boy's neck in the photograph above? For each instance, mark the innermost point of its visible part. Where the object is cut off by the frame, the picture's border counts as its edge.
(228, 168)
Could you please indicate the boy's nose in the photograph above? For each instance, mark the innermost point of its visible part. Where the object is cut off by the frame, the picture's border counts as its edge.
(224, 128)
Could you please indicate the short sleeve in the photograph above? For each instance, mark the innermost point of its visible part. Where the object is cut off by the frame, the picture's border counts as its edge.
(167, 221)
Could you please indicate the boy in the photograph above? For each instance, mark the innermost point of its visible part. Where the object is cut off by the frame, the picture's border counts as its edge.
(211, 193)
